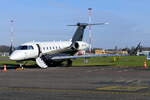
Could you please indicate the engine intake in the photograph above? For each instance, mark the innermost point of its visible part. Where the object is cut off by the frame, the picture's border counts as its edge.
(76, 45)
(79, 45)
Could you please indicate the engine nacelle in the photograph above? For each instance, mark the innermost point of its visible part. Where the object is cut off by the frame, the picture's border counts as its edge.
(79, 45)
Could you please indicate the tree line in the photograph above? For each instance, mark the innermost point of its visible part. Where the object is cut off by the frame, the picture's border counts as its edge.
(4, 48)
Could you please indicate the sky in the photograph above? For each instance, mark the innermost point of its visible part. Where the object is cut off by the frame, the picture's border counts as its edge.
(47, 20)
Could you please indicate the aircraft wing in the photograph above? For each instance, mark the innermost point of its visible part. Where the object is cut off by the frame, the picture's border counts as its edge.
(85, 56)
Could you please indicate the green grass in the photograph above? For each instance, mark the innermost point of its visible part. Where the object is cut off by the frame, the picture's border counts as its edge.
(5, 60)
(107, 61)
(8, 63)
(131, 61)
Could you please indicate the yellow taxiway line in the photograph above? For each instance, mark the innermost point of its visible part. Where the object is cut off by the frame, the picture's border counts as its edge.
(94, 91)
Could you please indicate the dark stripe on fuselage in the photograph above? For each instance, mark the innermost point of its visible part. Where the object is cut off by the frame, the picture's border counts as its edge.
(39, 50)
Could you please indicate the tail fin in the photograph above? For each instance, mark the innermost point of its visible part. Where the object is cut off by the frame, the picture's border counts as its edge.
(78, 36)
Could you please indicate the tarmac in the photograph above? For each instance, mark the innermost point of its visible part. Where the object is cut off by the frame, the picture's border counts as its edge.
(75, 83)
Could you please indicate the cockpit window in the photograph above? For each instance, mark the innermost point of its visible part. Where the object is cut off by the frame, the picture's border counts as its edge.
(25, 47)
(30, 47)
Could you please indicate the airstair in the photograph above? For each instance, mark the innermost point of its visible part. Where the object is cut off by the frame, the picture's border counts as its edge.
(41, 62)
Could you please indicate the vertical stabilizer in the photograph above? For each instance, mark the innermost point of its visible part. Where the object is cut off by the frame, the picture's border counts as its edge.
(78, 36)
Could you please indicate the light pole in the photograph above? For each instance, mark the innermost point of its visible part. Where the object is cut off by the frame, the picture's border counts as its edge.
(12, 31)
(90, 32)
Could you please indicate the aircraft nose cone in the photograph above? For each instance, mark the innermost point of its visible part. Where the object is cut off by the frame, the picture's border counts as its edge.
(17, 55)
(12, 57)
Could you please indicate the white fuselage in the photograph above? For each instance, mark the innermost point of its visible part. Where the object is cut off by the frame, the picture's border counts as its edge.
(32, 50)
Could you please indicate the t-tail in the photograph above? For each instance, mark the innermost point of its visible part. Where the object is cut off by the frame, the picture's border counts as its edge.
(78, 35)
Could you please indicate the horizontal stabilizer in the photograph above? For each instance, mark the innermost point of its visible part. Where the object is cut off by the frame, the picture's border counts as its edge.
(86, 24)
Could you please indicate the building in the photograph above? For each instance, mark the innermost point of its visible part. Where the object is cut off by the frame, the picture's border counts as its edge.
(110, 52)
(100, 52)
(144, 51)
(4, 54)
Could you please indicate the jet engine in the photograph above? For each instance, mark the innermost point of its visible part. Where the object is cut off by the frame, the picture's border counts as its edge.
(79, 45)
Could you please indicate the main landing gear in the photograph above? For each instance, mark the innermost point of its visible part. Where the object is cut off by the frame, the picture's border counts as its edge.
(69, 63)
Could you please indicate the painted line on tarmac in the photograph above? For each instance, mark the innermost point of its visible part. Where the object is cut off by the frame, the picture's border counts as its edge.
(73, 91)
(122, 88)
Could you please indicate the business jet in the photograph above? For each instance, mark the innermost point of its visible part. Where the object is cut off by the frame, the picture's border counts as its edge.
(55, 52)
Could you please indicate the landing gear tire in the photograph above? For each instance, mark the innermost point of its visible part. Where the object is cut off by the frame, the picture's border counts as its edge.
(55, 64)
(69, 63)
